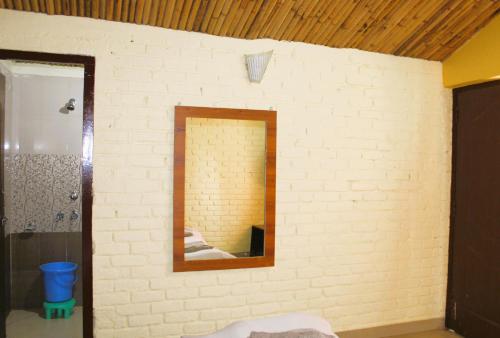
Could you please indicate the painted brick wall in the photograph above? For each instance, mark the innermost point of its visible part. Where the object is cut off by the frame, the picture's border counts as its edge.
(225, 180)
(363, 177)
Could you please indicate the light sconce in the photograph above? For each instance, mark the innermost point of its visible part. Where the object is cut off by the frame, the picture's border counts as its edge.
(257, 65)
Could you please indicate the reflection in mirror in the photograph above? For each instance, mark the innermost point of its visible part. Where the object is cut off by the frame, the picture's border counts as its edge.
(225, 181)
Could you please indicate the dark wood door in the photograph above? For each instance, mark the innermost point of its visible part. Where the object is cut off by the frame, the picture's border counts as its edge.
(3, 260)
(473, 305)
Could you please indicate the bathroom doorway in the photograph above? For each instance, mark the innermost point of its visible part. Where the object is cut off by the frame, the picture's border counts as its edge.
(46, 138)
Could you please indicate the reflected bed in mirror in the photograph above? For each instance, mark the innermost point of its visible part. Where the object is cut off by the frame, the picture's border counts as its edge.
(224, 188)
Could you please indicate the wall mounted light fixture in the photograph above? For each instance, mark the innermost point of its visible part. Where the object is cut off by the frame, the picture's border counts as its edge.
(257, 65)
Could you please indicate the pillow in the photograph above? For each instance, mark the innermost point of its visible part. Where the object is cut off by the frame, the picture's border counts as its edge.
(302, 333)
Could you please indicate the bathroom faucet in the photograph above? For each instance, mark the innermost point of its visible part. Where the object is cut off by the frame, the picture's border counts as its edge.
(74, 215)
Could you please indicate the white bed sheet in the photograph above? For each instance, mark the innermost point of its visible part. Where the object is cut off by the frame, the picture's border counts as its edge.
(292, 321)
(213, 253)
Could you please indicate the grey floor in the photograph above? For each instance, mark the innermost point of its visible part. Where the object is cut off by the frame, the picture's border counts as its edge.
(30, 324)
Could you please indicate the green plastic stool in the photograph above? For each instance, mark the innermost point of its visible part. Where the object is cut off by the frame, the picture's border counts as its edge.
(62, 309)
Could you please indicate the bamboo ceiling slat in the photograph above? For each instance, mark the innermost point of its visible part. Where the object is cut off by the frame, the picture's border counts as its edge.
(161, 13)
(393, 22)
(250, 18)
(436, 28)
(186, 9)
(200, 15)
(464, 26)
(35, 6)
(66, 7)
(437, 39)
(235, 18)
(139, 11)
(339, 21)
(153, 16)
(169, 12)
(147, 11)
(372, 23)
(215, 15)
(231, 15)
(42, 4)
(416, 37)
(458, 40)
(300, 18)
(313, 18)
(110, 4)
(326, 15)
(431, 29)
(262, 15)
(222, 17)
(177, 13)
(354, 22)
(412, 22)
(124, 14)
(95, 8)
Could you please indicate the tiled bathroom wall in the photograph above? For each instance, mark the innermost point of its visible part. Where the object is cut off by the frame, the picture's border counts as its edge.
(42, 170)
(38, 188)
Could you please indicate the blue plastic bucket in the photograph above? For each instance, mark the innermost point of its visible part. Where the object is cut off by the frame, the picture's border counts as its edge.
(59, 278)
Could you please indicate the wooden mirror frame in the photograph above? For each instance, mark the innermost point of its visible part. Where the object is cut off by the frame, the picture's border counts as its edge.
(181, 115)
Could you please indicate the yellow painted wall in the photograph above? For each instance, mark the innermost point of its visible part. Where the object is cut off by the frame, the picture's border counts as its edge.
(478, 60)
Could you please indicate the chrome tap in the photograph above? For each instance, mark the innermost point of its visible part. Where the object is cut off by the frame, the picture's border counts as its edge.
(74, 215)
(59, 216)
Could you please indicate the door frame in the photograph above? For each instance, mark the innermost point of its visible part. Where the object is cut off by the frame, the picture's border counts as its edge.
(450, 314)
(88, 63)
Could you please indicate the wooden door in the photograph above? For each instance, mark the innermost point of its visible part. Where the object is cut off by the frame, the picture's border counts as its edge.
(473, 304)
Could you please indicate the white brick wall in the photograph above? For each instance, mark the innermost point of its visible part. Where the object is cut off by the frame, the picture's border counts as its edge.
(225, 180)
(363, 176)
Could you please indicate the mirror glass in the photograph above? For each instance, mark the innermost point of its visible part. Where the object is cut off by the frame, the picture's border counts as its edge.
(225, 185)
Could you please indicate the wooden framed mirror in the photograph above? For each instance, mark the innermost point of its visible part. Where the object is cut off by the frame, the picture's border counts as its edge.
(224, 188)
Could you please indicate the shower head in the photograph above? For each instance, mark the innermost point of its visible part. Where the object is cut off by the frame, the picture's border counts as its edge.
(71, 105)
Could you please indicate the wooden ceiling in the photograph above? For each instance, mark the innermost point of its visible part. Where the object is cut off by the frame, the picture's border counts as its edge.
(428, 29)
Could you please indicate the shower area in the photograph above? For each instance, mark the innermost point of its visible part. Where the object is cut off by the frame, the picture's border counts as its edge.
(41, 162)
